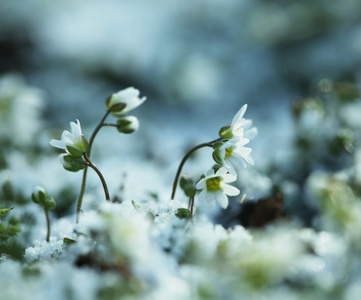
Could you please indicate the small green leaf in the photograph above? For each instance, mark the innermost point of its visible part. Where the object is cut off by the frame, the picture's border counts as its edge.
(68, 241)
(4, 211)
(136, 205)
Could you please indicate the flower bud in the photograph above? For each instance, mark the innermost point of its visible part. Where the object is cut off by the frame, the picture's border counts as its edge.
(217, 156)
(39, 195)
(49, 204)
(226, 132)
(71, 163)
(187, 185)
(183, 213)
(128, 124)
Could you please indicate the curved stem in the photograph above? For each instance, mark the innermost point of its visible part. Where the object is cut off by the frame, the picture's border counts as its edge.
(85, 172)
(105, 187)
(47, 225)
(189, 153)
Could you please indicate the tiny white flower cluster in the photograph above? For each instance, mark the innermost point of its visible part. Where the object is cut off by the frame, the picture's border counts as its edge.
(230, 152)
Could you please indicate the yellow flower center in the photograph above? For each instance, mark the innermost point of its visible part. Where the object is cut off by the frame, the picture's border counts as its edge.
(213, 184)
(229, 151)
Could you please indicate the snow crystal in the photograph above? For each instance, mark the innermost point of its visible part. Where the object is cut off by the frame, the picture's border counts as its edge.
(44, 250)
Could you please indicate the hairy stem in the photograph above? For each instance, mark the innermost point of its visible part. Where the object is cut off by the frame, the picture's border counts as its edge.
(105, 187)
(189, 153)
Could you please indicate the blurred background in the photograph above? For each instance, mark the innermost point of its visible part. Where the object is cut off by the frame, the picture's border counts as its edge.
(197, 63)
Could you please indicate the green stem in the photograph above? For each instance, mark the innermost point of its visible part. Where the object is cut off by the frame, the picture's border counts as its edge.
(192, 204)
(110, 124)
(83, 183)
(47, 225)
(189, 153)
(105, 187)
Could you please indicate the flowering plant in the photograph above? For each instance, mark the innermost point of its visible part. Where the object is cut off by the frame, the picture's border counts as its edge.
(248, 251)
(229, 153)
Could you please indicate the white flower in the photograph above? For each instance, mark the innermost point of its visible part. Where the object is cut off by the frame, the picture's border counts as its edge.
(234, 154)
(128, 96)
(242, 127)
(215, 188)
(74, 143)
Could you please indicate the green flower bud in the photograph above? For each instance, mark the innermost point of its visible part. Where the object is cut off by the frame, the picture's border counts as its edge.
(183, 213)
(187, 185)
(39, 195)
(49, 204)
(128, 124)
(71, 163)
(226, 132)
(217, 156)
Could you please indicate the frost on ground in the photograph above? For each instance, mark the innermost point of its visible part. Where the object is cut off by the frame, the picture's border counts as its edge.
(290, 231)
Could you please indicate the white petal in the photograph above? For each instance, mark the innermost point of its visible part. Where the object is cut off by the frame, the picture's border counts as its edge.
(221, 171)
(239, 115)
(211, 199)
(229, 178)
(239, 141)
(242, 151)
(202, 196)
(201, 184)
(67, 138)
(209, 173)
(75, 129)
(237, 161)
(58, 144)
(251, 133)
(230, 190)
(249, 159)
(222, 200)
